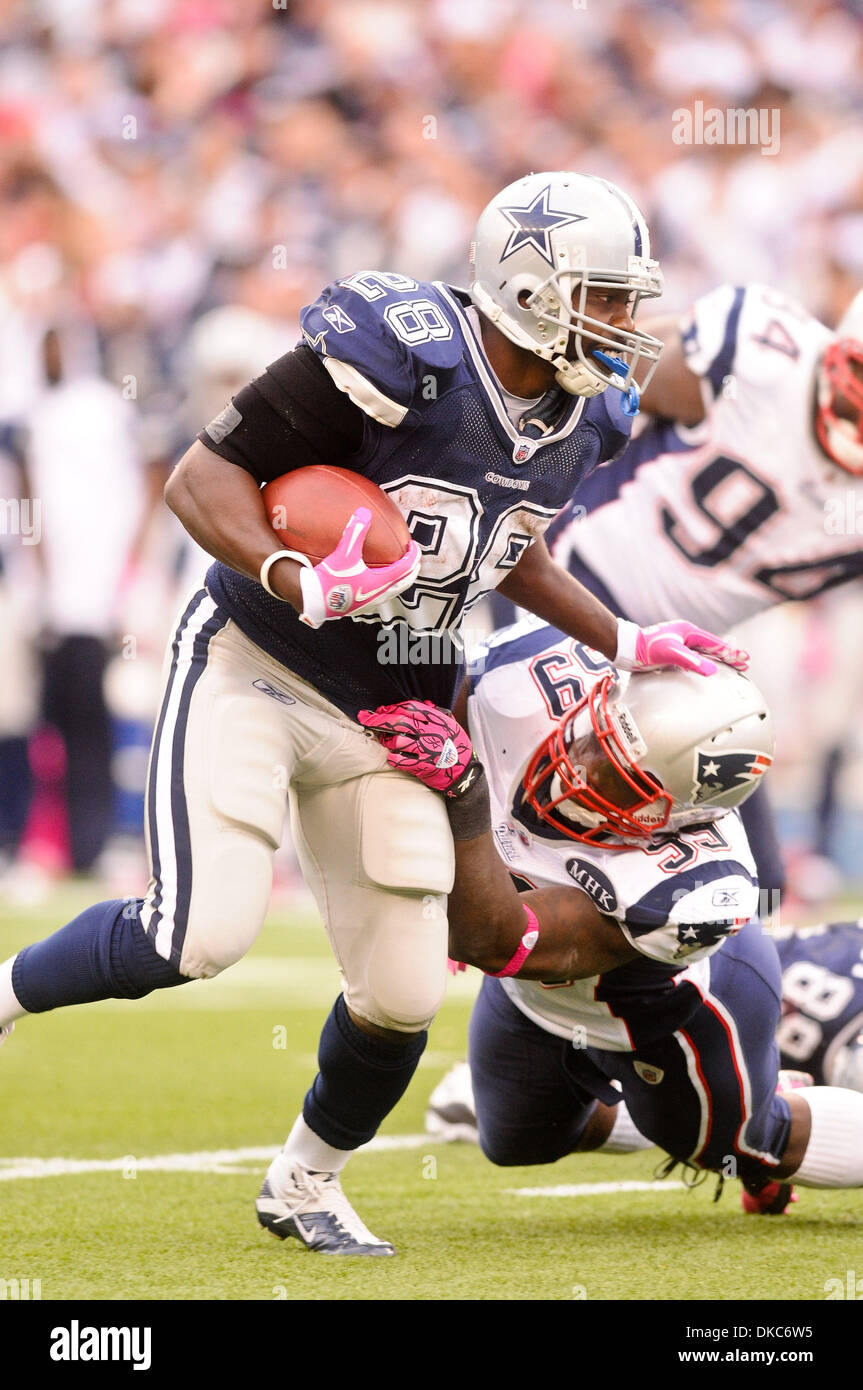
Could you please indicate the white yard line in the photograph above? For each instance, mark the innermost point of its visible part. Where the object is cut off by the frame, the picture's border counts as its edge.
(207, 1161)
(227, 1161)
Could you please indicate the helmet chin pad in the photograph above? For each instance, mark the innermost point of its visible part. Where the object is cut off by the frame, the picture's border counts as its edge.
(577, 378)
(580, 817)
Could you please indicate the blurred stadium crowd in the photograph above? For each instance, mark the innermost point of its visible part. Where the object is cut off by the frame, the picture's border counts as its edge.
(178, 177)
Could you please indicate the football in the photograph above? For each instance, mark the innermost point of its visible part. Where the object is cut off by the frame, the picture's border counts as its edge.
(310, 508)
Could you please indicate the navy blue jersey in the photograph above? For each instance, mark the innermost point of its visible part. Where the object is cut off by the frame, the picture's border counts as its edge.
(822, 995)
(475, 490)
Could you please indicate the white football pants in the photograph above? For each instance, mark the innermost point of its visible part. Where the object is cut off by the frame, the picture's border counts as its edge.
(238, 734)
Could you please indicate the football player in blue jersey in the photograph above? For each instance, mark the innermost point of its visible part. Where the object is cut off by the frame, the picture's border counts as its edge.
(821, 1028)
(477, 413)
(605, 885)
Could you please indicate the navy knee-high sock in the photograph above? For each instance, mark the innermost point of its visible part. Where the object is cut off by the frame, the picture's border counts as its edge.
(104, 953)
(361, 1078)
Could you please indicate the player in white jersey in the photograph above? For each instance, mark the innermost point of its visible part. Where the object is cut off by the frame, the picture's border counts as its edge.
(628, 958)
(736, 495)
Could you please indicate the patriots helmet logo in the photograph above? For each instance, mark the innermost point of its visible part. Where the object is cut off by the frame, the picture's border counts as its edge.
(724, 772)
(532, 226)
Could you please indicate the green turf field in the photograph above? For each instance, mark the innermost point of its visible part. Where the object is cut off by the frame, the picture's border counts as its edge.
(207, 1080)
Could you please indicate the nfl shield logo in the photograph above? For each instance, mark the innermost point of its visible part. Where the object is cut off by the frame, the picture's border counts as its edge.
(523, 450)
(448, 755)
(652, 1075)
(339, 597)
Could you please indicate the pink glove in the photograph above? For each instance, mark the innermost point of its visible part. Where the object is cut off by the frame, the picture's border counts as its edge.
(421, 739)
(672, 644)
(343, 583)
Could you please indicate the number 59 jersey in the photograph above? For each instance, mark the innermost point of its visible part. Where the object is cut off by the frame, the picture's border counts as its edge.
(675, 899)
(720, 521)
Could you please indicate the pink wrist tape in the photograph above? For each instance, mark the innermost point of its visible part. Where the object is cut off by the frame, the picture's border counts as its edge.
(525, 946)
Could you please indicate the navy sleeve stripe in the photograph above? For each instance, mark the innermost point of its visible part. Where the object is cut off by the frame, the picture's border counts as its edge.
(654, 908)
(506, 653)
(721, 365)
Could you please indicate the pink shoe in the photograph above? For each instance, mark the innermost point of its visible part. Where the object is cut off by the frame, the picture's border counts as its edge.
(772, 1200)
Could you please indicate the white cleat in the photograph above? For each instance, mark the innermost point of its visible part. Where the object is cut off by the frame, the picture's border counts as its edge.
(451, 1112)
(313, 1209)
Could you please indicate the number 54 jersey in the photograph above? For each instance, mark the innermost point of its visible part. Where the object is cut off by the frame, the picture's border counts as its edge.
(718, 522)
(675, 899)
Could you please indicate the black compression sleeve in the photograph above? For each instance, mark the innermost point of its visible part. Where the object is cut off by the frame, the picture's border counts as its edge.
(470, 813)
(292, 416)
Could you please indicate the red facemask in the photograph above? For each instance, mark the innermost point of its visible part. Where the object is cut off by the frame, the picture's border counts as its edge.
(597, 773)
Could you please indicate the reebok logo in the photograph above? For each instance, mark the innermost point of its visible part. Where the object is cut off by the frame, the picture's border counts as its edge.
(272, 691)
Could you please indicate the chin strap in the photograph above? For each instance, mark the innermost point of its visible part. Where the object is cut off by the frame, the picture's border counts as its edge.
(577, 379)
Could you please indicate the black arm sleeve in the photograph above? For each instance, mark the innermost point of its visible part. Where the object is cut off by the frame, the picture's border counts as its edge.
(292, 416)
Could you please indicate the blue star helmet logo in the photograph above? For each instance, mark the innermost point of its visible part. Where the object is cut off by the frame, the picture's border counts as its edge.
(533, 226)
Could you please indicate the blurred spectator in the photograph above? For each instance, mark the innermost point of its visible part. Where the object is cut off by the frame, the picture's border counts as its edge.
(84, 470)
(178, 177)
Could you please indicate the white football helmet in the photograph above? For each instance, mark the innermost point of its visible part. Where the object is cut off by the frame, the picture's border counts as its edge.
(648, 753)
(846, 1066)
(539, 247)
